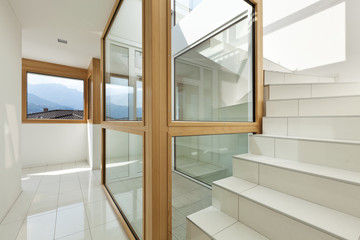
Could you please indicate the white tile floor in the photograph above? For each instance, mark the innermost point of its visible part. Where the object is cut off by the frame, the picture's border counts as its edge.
(61, 202)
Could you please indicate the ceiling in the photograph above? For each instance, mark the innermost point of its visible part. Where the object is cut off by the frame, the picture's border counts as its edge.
(80, 22)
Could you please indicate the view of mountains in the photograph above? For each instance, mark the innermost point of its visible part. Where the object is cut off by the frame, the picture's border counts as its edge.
(53, 97)
(120, 112)
(60, 97)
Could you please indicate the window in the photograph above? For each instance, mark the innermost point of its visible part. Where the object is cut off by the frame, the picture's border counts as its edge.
(124, 175)
(52, 97)
(123, 82)
(208, 158)
(214, 80)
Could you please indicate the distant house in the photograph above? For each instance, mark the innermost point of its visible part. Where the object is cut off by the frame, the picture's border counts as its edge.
(58, 114)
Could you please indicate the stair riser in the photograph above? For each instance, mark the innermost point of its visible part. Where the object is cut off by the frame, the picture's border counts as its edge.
(321, 127)
(275, 225)
(195, 233)
(278, 78)
(277, 92)
(337, 155)
(334, 194)
(266, 221)
(225, 201)
(339, 106)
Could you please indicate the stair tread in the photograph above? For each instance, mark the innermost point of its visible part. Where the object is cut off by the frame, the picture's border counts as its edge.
(311, 83)
(296, 78)
(328, 172)
(239, 230)
(236, 185)
(338, 116)
(310, 139)
(221, 226)
(312, 98)
(211, 220)
(333, 222)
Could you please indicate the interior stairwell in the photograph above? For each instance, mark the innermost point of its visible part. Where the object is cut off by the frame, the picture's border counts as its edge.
(301, 177)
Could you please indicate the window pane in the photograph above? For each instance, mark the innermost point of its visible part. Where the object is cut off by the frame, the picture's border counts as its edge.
(123, 64)
(51, 97)
(198, 162)
(208, 158)
(124, 175)
(214, 80)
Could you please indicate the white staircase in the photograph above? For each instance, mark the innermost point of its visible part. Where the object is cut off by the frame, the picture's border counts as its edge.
(301, 179)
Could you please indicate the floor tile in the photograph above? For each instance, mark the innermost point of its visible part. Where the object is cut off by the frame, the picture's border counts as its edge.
(68, 186)
(70, 221)
(83, 235)
(70, 199)
(99, 213)
(43, 204)
(20, 208)
(109, 231)
(10, 231)
(41, 227)
(95, 194)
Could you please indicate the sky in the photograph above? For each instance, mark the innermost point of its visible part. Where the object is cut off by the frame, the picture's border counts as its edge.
(46, 79)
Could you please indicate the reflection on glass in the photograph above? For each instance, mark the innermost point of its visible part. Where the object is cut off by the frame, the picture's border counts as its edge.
(123, 64)
(214, 80)
(208, 158)
(183, 7)
(124, 178)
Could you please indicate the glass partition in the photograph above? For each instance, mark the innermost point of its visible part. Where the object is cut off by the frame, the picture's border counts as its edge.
(123, 102)
(198, 162)
(214, 80)
(124, 175)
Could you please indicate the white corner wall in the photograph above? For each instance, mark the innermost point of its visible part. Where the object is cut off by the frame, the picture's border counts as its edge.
(49, 144)
(94, 145)
(10, 107)
(348, 70)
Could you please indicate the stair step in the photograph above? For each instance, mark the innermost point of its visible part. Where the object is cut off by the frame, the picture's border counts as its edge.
(325, 106)
(311, 90)
(345, 128)
(210, 223)
(341, 154)
(334, 188)
(290, 78)
(280, 216)
(239, 231)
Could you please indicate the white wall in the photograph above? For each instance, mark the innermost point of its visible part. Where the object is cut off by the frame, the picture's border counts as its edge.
(10, 106)
(94, 145)
(317, 37)
(48, 144)
(348, 70)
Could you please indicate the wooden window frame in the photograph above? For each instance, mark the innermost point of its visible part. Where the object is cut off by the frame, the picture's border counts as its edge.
(157, 126)
(51, 69)
(94, 89)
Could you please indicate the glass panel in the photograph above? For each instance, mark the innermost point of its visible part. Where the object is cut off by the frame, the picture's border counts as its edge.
(123, 64)
(183, 7)
(51, 97)
(208, 158)
(124, 176)
(214, 80)
(199, 161)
